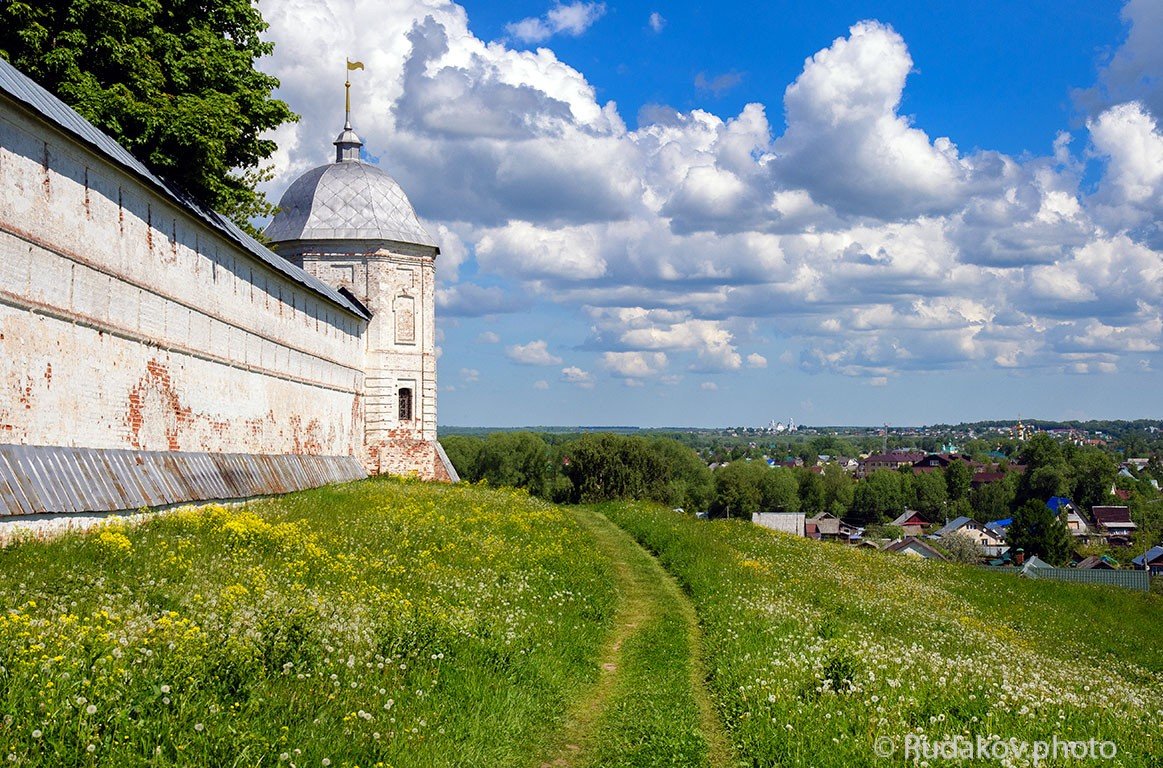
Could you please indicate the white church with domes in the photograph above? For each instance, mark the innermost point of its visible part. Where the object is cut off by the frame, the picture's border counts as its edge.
(152, 353)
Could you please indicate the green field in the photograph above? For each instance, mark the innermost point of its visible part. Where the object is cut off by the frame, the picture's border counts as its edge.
(817, 651)
(401, 624)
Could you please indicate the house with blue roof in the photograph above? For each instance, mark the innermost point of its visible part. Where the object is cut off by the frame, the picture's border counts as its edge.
(1151, 560)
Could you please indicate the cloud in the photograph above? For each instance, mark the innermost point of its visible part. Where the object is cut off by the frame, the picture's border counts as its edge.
(571, 19)
(488, 337)
(533, 353)
(718, 84)
(709, 386)
(541, 384)
(470, 375)
(575, 375)
(656, 21)
(635, 365)
(1135, 71)
(756, 360)
(847, 145)
(866, 245)
(1130, 193)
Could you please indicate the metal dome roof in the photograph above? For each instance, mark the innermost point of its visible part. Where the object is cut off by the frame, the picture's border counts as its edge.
(346, 200)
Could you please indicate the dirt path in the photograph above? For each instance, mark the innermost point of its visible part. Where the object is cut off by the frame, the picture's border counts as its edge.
(649, 706)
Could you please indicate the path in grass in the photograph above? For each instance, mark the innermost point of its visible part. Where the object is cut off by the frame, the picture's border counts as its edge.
(649, 707)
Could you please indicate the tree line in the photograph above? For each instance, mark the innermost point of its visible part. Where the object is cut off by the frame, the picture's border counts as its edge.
(601, 466)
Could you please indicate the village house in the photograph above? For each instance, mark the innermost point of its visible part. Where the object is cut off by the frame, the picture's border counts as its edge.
(830, 527)
(893, 460)
(1114, 524)
(1097, 563)
(992, 544)
(914, 547)
(913, 523)
(1151, 560)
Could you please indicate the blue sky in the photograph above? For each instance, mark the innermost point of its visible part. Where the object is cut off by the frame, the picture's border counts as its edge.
(680, 214)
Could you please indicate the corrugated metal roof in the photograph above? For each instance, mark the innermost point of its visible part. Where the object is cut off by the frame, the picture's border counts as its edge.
(51, 480)
(19, 87)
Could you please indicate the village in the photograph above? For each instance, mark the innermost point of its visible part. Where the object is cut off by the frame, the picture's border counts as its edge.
(1101, 535)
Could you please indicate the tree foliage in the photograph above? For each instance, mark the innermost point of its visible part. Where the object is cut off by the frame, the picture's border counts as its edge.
(994, 501)
(1047, 473)
(602, 467)
(1094, 476)
(813, 493)
(958, 477)
(930, 493)
(1038, 531)
(745, 487)
(519, 459)
(961, 548)
(878, 498)
(175, 83)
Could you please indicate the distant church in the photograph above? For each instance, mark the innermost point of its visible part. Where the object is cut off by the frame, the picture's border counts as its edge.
(152, 353)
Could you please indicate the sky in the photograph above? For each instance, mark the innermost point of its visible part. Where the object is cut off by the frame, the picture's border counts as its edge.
(688, 214)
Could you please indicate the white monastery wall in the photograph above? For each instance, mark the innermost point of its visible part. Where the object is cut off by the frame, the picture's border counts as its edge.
(128, 322)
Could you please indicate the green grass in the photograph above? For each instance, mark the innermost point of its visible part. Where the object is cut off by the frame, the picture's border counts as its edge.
(375, 623)
(395, 623)
(650, 716)
(816, 651)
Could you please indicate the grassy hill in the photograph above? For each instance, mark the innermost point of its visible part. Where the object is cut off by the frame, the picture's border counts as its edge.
(395, 623)
(375, 623)
(819, 653)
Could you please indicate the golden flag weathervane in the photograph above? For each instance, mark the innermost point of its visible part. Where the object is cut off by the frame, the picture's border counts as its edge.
(351, 65)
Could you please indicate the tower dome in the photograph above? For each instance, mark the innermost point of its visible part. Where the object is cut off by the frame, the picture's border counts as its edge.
(346, 200)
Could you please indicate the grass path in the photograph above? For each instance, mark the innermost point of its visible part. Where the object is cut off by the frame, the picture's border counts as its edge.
(649, 707)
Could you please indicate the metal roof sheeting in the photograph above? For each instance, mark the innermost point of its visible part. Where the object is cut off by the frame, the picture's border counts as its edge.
(348, 200)
(20, 88)
(51, 480)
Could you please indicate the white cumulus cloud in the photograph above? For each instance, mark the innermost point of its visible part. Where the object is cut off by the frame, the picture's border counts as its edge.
(571, 19)
(533, 353)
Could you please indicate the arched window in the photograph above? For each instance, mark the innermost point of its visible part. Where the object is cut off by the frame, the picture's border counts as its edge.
(405, 404)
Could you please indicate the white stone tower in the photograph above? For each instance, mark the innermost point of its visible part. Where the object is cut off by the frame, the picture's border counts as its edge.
(349, 224)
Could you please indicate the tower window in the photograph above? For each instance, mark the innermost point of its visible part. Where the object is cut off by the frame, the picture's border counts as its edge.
(405, 404)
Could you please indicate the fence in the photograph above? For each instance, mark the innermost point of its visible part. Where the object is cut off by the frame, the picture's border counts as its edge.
(1140, 580)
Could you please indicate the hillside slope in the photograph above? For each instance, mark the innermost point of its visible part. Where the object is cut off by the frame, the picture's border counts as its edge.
(374, 623)
(822, 655)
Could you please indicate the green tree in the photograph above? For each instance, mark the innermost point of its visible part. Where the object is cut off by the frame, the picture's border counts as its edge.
(462, 451)
(958, 477)
(1094, 475)
(838, 489)
(1047, 473)
(603, 466)
(688, 483)
(737, 489)
(930, 493)
(994, 501)
(517, 459)
(778, 489)
(878, 498)
(175, 83)
(813, 495)
(1038, 531)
